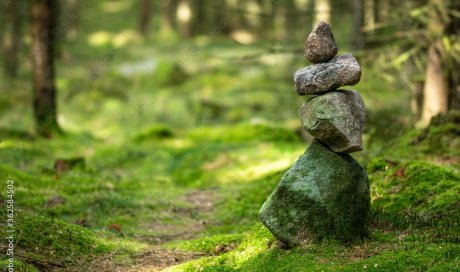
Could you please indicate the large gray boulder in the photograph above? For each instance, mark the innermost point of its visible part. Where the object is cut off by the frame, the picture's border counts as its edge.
(323, 77)
(320, 45)
(324, 195)
(336, 119)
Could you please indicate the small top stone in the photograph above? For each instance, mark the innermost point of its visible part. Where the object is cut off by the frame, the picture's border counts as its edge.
(320, 45)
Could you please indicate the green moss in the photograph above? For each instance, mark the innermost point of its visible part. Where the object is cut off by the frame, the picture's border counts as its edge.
(244, 132)
(442, 135)
(208, 244)
(167, 73)
(187, 165)
(415, 187)
(18, 266)
(412, 257)
(258, 252)
(41, 237)
(377, 164)
(242, 203)
(439, 141)
(154, 133)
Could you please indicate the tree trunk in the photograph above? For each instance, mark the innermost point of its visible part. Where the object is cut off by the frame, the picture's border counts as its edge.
(168, 21)
(322, 12)
(291, 19)
(231, 7)
(12, 39)
(266, 24)
(73, 18)
(369, 15)
(199, 22)
(279, 20)
(184, 17)
(241, 15)
(44, 103)
(454, 94)
(436, 89)
(358, 41)
(383, 10)
(454, 77)
(417, 99)
(145, 18)
(220, 18)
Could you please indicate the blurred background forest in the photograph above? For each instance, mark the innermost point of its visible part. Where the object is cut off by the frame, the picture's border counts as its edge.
(146, 134)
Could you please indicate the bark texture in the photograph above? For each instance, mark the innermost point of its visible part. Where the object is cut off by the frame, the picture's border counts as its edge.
(44, 102)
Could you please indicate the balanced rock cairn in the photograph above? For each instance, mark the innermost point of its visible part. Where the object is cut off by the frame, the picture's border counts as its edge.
(326, 193)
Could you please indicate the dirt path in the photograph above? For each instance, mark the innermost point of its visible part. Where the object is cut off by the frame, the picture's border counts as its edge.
(156, 257)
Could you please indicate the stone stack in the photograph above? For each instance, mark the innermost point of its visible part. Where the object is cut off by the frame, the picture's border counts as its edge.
(326, 193)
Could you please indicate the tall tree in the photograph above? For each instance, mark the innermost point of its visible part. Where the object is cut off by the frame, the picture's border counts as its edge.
(184, 17)
(357, 41)
(43, 23)
(291, 18)
(453, 30)
(168, 11)
(383, 10)
(12, 38)
(322, 12)
(145, 18)
(267, 24)
(369, 14)
(199, 22)
(279, 18)
(436, 89)
(73, 18)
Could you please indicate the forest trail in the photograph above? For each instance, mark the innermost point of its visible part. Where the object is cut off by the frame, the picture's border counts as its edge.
(157, 257)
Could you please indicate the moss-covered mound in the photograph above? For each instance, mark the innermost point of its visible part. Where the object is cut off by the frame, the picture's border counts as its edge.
(415, 187)
(49, 243)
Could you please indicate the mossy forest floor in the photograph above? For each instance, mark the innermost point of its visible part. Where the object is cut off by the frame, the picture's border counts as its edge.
(180, 153)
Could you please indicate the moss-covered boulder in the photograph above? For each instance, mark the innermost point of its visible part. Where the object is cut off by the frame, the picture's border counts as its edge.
(324, 195)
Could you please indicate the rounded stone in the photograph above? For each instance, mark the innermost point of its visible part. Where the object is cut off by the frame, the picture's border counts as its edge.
(320, 45)
(323, 77)
(336, 119)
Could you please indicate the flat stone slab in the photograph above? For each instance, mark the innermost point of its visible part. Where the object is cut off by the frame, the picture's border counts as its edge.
(336, 119)
(320, 45)
(323, 77)
(324, 195)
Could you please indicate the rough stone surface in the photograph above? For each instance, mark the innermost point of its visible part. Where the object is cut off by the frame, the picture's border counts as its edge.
(336, 119)
(322, 77)
(324, 195)
(320, 45)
